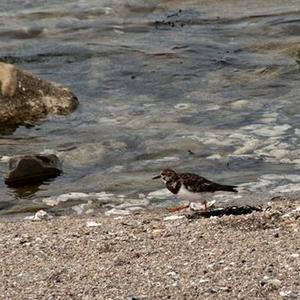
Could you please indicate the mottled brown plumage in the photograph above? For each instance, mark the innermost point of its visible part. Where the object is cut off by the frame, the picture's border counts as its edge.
(197, 184)
(189, 186)
(192, 182)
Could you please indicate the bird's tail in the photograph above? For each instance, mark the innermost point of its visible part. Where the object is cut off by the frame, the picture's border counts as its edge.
(228, 188)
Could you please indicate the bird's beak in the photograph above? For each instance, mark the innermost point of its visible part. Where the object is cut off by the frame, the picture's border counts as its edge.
(156, 177)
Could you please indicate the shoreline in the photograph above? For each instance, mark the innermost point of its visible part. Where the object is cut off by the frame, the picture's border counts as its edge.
(145, 256)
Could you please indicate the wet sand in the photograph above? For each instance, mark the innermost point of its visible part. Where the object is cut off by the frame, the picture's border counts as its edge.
(144, 256)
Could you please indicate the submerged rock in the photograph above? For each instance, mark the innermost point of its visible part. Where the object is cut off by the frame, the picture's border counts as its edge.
(25, 97)
(28, 169)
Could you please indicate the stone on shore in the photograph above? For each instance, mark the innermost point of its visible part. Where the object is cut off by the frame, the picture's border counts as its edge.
(40, 215)
(29, 169)
(26, 98)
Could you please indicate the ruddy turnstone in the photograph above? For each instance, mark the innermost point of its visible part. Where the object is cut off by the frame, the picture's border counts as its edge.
(189, 186)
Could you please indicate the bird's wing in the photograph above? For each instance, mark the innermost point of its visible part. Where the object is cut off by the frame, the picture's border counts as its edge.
(196, 183)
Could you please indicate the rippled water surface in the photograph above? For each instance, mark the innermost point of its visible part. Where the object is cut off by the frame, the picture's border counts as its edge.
(199, 86)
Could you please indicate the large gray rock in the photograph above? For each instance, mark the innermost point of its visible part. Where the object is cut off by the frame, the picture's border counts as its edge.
(29, 169)
(25, 97)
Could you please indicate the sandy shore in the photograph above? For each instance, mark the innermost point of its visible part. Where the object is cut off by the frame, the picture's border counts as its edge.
(143, 256)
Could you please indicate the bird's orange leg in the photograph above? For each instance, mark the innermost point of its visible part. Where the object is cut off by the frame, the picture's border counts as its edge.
(178, 208)
(205, 206)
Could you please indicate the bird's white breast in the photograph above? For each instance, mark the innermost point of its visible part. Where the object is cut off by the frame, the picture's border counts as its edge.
(185, 194)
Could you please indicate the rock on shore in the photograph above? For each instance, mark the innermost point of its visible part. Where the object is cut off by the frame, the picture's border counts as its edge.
(27, 169)
(25, 97)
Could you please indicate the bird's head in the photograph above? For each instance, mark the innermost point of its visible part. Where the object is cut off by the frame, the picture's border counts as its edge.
(167, 175)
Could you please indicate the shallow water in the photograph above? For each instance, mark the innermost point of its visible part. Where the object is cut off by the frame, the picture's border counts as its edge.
(155, 81)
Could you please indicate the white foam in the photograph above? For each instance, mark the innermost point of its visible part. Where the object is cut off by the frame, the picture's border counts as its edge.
(253, 186)
(182, 106)
(5, 159)
(239, 104)
(134, 203)
(55, 200)
(271, 177)
(213, 107)
(48, 152)
(269, 118)
(249, 146)
(115, 211)
(160, 194)
(81, 208)
(269, 131)
(288, 188)
(215, 156)
(279, 153)
(290, 177)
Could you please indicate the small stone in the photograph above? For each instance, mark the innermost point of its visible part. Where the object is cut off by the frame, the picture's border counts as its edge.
(173, 217)
(172, 273)
(264, 281)
(39, 216)
(203, 280)
(92, 224)
(289, 294)
(275, 283)
(156, 231)
(119, 262)
(225, 288)
(212, 290)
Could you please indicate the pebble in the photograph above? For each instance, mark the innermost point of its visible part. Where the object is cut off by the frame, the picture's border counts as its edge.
(92, 224)
(173, 217)
(203, 280)
(289, 294)
(39, 216)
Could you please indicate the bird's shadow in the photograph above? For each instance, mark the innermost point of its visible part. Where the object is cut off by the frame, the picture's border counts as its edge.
(227, 211)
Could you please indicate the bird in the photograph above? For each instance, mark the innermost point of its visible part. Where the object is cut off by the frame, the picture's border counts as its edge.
(189, 186)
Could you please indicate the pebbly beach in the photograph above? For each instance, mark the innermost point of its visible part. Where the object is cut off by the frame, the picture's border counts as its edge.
(154, 255)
